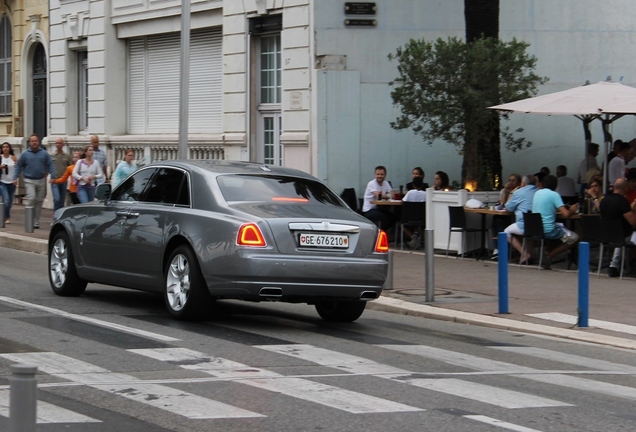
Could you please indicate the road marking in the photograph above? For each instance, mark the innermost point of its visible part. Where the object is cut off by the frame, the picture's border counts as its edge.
(106, 324)
(46, 412)
(337, 360)
(459, 359)
(485, 393)
(467, 389)
(478, 363)
(162, 397)
(545, 354)
(499, 423)
(331, 396)
(573, 320)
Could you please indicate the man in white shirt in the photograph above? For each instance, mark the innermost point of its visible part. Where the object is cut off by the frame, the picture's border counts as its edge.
(377, 187)
(566, 187)
(616, 167)
(414, 195)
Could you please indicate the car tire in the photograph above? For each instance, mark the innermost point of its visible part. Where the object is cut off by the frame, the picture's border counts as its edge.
(340, 311)
(186, 294)
(62, 272)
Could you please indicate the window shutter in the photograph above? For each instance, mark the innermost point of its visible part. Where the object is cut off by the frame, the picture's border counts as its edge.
(136, 86)
(206, 72)
(154, 83)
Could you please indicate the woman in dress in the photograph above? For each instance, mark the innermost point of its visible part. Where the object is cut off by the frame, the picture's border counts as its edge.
(7, 187)
(86, 171)
(124, 168)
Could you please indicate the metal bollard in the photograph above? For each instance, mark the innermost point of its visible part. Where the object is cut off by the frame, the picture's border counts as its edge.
(584, 284)
(502, 244)
(2, 214)
(28, 219)
(23, 398)
(388, 284)
(430, 264)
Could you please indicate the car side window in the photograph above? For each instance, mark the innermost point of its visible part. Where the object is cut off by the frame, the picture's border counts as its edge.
(165, 187)
(133, 187)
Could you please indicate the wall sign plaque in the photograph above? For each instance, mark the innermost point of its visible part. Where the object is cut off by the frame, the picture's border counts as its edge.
(360, 22)
(359, 8)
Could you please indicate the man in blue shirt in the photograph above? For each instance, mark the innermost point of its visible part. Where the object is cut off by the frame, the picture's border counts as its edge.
(519, 203)
(549, 203)
(35, 164)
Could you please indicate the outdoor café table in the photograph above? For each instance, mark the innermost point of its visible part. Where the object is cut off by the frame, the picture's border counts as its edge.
(387, 202)
(483, 251)
(392, 206)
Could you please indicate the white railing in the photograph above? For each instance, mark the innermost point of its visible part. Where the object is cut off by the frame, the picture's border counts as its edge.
(437, 218)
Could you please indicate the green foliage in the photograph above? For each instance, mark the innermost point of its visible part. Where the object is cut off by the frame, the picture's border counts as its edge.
(444, 88)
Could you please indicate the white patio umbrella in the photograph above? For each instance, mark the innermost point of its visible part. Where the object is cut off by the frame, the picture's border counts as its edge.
(579, 101)
(606, 101)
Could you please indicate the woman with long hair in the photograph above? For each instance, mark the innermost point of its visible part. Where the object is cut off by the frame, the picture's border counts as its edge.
(86, 171)
(7, 187)
(440, 181)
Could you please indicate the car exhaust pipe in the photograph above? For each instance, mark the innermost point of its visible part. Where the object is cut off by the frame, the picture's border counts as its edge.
(271, 292)
(368, 295)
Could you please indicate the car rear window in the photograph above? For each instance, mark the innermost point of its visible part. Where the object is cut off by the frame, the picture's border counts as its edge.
(275, 189)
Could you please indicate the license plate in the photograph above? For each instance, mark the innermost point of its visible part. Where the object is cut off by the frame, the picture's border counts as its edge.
(324, 240)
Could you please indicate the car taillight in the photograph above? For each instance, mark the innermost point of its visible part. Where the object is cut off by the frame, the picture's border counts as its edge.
(250, 235)
(382, 242)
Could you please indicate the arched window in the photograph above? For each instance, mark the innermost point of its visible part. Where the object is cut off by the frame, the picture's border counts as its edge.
(6, 71)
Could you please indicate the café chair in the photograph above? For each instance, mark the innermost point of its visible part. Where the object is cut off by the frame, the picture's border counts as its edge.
(413, 215)
(612, 236)
(457, 224)
(348, 195)
(533, 230)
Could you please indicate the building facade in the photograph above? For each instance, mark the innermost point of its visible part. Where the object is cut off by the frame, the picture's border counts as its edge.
(302, 83)
(24, 53)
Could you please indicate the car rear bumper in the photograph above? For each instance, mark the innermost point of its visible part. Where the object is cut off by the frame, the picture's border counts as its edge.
(301, 279)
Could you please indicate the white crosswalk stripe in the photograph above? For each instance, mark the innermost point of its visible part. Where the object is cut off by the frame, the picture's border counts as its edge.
(46, 412)
(478, 363)
(300, 388)
(587, 362)
(499, 423)
(467, 389)
(159, 396)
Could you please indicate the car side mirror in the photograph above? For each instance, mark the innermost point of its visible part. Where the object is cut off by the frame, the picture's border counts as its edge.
(103, 191)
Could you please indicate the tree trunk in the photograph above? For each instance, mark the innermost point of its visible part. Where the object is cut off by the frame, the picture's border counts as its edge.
(482, 21)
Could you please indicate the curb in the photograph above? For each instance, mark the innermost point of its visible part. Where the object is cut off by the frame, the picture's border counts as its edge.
(23, 243)
(392, 305)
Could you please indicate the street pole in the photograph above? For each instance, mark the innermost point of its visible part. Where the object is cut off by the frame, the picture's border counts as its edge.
(184, 80)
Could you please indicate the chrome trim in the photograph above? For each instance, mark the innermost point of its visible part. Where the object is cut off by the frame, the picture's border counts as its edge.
(323, 226)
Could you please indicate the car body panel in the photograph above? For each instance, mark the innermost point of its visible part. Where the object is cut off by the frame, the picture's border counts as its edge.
(125, 241)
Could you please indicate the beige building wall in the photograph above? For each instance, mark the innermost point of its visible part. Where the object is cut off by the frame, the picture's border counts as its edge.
(29, 20)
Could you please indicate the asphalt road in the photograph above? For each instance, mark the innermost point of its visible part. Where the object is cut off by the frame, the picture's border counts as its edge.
(113, 360)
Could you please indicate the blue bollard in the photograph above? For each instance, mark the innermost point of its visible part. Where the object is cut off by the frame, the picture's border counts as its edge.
(584, 283)
(502, 245)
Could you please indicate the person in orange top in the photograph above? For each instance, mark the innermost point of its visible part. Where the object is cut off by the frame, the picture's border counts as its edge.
(72, 186)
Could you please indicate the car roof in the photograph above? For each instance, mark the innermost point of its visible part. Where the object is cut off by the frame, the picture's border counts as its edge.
(232, 167)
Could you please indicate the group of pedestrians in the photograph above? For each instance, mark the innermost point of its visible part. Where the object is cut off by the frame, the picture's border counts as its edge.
(77, 174)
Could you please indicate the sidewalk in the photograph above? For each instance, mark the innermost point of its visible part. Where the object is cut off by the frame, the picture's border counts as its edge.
(466, 291)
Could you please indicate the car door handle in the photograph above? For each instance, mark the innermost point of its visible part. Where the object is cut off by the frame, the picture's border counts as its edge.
(133, 215)
(122, 213)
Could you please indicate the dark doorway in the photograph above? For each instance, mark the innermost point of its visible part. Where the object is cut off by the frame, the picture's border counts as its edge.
(39, 92)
